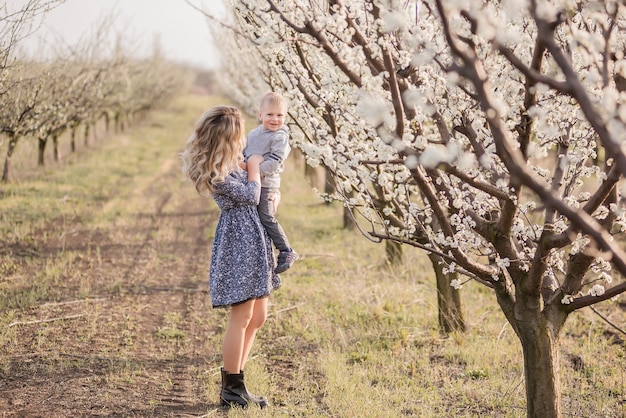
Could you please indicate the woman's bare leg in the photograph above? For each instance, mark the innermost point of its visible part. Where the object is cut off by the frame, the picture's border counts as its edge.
(235, 336)
(259, 315)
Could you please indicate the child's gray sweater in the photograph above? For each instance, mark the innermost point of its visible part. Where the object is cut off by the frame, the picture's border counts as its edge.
(274, 146)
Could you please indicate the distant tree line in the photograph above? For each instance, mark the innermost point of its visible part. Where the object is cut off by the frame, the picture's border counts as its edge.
(42, 98)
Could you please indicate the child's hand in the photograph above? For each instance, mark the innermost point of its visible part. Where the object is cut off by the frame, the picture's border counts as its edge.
(243, 165)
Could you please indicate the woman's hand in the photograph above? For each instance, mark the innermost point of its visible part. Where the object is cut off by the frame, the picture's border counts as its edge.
(254, 173)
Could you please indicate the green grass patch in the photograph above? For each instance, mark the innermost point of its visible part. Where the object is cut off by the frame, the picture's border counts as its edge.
(101, 248)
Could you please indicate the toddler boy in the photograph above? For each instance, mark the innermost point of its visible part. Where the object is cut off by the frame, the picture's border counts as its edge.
(271, 139)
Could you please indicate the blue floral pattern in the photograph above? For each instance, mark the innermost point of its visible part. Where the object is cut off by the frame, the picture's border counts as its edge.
(242, 260)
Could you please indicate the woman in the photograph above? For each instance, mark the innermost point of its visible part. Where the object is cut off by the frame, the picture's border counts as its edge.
(242, 262)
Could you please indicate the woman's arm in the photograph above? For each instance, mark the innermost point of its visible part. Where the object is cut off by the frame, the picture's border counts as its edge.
(254, 173)
(238, 192)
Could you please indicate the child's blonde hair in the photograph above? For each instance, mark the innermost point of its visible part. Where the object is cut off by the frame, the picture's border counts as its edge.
(273, 98)
(215, 148)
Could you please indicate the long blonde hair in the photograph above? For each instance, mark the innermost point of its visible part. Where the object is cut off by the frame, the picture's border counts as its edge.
(215, 148)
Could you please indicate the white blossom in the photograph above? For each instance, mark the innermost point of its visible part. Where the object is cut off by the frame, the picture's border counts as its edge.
(343, 106)
(596, 290)
(503, 263)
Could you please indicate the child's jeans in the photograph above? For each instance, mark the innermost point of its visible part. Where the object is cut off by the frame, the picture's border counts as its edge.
(268, 204)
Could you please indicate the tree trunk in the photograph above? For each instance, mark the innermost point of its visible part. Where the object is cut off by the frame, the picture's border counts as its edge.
(329, 184)
(348, 214)
(298, 158)
(73, 140)
(55, 147)
(541, 364)
(7, 161)
(393, 252)
(315, 176)
(348, 219)
(41, 152)
(87, 126)
(349, 222)
(448, 299)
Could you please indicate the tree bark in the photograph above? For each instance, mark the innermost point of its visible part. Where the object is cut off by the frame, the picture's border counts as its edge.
(448, 299)
(41, 152)
(349, 222)
(55, 147)
(329, 185)
(541, 365)
(393, 252)
(86, 138)
(315, 176)
(73, 140)
(6, 172)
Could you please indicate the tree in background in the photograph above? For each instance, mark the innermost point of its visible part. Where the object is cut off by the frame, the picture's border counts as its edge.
(18, 23)
(488, 134)
(75, 86)
(312, 76)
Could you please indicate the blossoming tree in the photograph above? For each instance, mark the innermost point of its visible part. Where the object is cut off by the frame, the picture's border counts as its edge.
(488, 133)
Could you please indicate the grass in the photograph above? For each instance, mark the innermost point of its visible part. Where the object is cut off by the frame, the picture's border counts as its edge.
(347, 335)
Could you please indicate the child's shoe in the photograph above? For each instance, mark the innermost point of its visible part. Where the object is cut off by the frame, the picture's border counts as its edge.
(286, 260)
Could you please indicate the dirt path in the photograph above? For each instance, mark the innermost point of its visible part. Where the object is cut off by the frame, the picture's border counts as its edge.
(130, 335)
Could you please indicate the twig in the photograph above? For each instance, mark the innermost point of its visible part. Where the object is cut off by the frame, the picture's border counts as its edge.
(209, 414)
(175, 289)
(307, 255)
(12, 324)
(289, 308)
(607, 320)
(92, 358)
(71, 302)
(502, 330)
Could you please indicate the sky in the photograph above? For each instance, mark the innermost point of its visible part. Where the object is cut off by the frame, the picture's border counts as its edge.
(181, 30)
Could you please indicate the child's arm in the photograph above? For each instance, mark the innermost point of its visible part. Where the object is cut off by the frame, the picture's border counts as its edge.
(279, 150)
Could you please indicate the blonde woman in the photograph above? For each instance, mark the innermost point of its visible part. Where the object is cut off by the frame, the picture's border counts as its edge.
(242, 263)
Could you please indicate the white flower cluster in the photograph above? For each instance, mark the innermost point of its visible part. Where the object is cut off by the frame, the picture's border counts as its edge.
(596, 290)
(380, 103)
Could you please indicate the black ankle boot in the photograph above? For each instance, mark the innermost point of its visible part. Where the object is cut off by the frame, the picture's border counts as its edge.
(256, 399)
(234, 392)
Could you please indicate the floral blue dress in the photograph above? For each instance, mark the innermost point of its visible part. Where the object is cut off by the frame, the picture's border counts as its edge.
(242, 259)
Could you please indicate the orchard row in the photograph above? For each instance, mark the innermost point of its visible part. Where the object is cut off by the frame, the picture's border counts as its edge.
(42, 98)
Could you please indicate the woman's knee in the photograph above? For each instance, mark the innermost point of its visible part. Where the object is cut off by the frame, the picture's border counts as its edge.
(257, 321)
(259, 314)
(242, 314)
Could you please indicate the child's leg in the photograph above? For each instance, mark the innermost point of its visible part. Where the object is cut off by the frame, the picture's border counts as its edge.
(268, 204)
(267, 212)
(235, 336)
(259, 315)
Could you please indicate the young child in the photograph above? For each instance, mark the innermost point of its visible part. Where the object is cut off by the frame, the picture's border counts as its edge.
(271, 139)
(242, 261)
